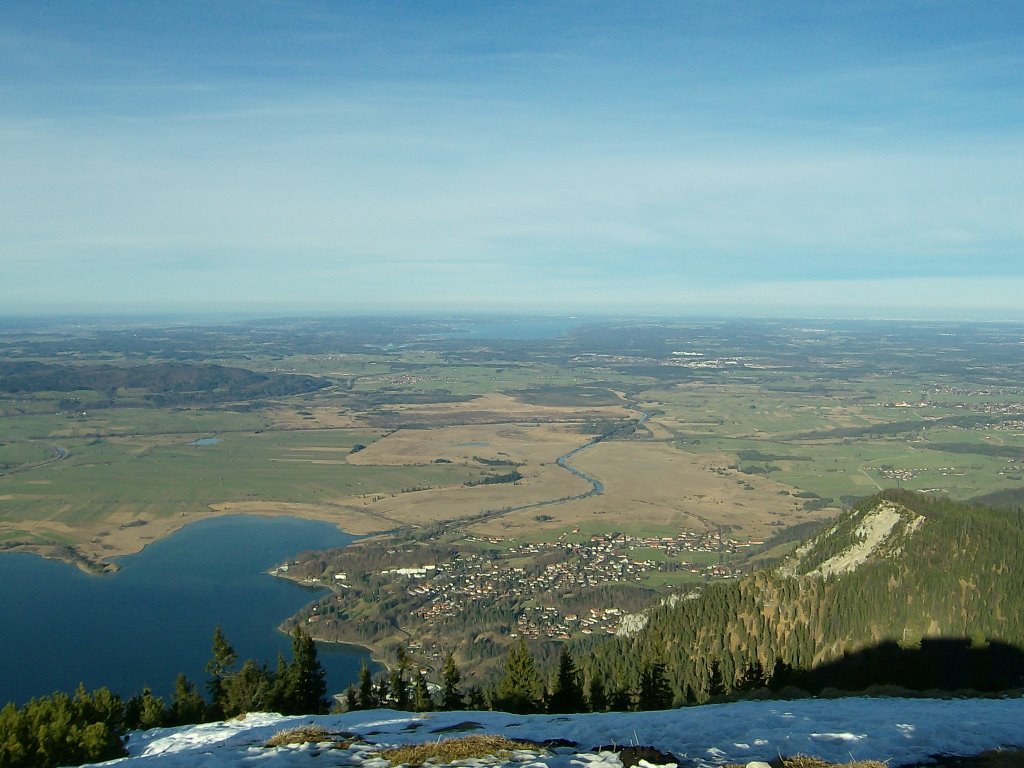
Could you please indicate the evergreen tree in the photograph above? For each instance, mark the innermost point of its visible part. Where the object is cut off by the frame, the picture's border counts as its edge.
(219, 668)
(367, 694)
(145, 711)
(655, 692)
(351, 699)
(596, 697)
(398, 690)
(475, 698)
(519, 689)
(567, 691)
(451, 696)
(61, 730)
(306, 685)
(399, 680)
(716, 685)
(251, 689)
(421, 701)
(187, 706)
(383, 691)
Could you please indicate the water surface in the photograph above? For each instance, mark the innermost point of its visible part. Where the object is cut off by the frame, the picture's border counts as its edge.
(156, 616)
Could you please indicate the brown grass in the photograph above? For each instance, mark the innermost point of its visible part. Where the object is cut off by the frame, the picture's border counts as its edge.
(450, 750)
(511, 442)
(656, 484)
(302, 734)
(487, 409)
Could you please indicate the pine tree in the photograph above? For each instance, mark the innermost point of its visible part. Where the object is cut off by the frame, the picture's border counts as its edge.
(154, 712)
(351, 699)
(251, 689)
(421, 701)
(383, 691)
(519, 689)
(367, 694)
(567, 691)
(596, 697)
(655, 692)
(475, 698)
(218, 668)
(451, 696)
(187, 706)
(716, 686)
(306, 687)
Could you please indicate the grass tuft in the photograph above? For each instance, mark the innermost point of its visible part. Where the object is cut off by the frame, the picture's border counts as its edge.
(302, 734)
(450, 750)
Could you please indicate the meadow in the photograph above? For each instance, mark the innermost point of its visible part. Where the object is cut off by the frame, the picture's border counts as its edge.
(383, 426)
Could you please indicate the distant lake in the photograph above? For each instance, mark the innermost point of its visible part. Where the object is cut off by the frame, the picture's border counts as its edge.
(156, 616)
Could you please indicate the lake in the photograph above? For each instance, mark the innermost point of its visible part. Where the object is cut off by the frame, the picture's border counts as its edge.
(156, 616)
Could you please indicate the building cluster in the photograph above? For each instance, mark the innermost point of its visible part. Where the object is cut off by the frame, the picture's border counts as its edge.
(538, 571)
(676, 360)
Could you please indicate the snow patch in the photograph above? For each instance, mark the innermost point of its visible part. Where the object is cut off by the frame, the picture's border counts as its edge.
(898, 731)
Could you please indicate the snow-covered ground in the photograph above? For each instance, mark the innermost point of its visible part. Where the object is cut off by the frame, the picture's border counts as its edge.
(898, 731)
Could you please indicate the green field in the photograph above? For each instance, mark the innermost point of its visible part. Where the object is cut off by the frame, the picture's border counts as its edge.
(150, 477)
(837, 412)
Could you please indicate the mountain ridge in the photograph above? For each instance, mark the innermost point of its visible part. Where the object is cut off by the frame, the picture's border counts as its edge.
(899, 568)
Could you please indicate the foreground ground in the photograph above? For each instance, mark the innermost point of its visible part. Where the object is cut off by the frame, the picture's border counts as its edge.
(896, 731)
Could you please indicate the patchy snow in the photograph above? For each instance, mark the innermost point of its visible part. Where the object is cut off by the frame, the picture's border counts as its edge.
(898, 731)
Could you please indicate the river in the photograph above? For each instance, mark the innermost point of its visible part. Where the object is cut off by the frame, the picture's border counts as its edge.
(156, 616)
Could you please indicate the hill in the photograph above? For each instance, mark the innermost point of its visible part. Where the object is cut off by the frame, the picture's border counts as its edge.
(163, 383)
(897, 731)
(904, 589)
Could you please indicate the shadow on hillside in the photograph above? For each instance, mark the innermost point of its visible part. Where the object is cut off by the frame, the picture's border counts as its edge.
(945, 664)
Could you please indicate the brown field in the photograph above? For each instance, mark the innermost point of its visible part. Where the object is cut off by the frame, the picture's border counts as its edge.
(311, 417)
(657, 486)
(522, 443)
(648, 484)
(487, 409)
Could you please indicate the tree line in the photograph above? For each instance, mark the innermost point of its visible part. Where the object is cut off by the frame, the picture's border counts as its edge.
(64, 729)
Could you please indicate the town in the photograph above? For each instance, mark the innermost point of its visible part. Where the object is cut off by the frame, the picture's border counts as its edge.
(549, 590)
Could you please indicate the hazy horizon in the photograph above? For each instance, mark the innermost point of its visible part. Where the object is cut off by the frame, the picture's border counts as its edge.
(702, 159)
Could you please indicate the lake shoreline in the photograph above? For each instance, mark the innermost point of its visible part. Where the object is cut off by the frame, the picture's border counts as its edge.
(154, 618)
(375, 651)
(95, 549)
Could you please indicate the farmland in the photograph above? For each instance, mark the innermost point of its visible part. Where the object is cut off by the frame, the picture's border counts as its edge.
(111, 437)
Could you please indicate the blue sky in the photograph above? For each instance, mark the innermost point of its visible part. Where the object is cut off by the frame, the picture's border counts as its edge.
(691, 158)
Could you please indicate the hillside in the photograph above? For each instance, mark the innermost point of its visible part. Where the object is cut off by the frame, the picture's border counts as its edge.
(903, 589)
(162, 383)
(897, 731)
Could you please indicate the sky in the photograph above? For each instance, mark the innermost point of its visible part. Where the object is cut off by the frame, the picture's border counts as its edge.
(692, 157)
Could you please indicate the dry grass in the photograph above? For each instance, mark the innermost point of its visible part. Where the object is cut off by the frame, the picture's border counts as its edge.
(512, 442)
(450, 750)
(302, 734)
(654, 484)
(487, 409)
